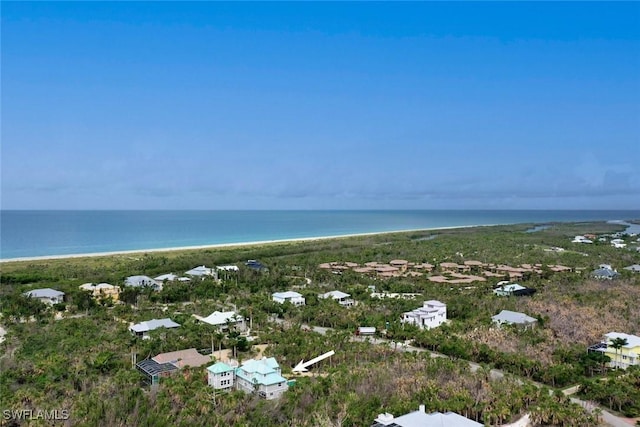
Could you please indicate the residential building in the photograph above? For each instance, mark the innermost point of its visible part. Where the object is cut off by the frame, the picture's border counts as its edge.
(253, 376)
(46, 295)
(581, 239)
(507, 317)
(627, 355)
(255, 265)
(420, 418)
(634, 268)
(290, 296)
(165, 364)
(342, 298)
(189, 357)
(366, 331)
(222, 319)
(221, 376)
(153, 370)
(170, 277)
(512, 289)
(102, 290)
(202, 272)
(262, 377)
(228, 268)
(142, 329)
(142, 282)
(432, 314)
(605, 272)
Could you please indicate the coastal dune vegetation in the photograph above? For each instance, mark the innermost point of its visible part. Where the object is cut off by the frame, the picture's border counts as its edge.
(78, 355)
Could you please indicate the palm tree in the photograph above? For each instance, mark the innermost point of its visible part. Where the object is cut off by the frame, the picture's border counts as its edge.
(617, 343)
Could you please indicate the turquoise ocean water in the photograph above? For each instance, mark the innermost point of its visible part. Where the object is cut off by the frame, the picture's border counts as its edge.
(44, 233)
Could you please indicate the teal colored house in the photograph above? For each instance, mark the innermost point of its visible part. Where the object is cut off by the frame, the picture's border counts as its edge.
(253, 376)
(221, 376)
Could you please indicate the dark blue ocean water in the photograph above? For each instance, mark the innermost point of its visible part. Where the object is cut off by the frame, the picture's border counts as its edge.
(42, 233)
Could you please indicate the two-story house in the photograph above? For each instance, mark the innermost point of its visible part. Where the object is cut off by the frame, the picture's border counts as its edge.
(432, 314)
(253, 376)
(628, 353)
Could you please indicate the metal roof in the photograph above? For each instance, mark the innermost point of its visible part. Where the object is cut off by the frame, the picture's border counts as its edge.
(151, 367)
(44, 293)
(508, 316)
(152, 324)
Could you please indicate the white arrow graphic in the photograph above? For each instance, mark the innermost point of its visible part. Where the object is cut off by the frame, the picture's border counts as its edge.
(302, 366)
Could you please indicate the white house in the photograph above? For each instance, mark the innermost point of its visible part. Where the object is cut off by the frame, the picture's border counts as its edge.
(420, 418)
(342, 298)
(142, 281)
(507, 289)
(227, 268)
(508, 317)
(431, 315)
(202, 272)
(221, 319)
(46, 295)
(142, 329)
(293, 297)
(635, 268)
(581, 239)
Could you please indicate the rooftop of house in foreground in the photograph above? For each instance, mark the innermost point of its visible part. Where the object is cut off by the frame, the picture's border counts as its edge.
(420, 418)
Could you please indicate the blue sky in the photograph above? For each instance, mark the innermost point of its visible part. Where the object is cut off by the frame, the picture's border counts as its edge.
(305, 105)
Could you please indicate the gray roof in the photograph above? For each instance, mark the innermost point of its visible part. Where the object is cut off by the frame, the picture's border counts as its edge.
(605, 273)
(635, 268)
(140, 281)
(507, 316)
(152, 324)
(422, 419)
(44, 293)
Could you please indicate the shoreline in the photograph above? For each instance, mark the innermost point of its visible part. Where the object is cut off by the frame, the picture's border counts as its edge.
(231, 245)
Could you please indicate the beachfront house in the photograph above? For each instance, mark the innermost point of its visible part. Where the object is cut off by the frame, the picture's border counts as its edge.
(340, 297)
(432, 314)
(102, 291)
(508, 317)
(623, 349)
(141, 281)
(223, 319)
(46, 295)
(422, 419)
(142, 329)
(289, 296)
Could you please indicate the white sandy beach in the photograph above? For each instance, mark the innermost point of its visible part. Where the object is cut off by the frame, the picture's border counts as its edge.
(226, 245)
